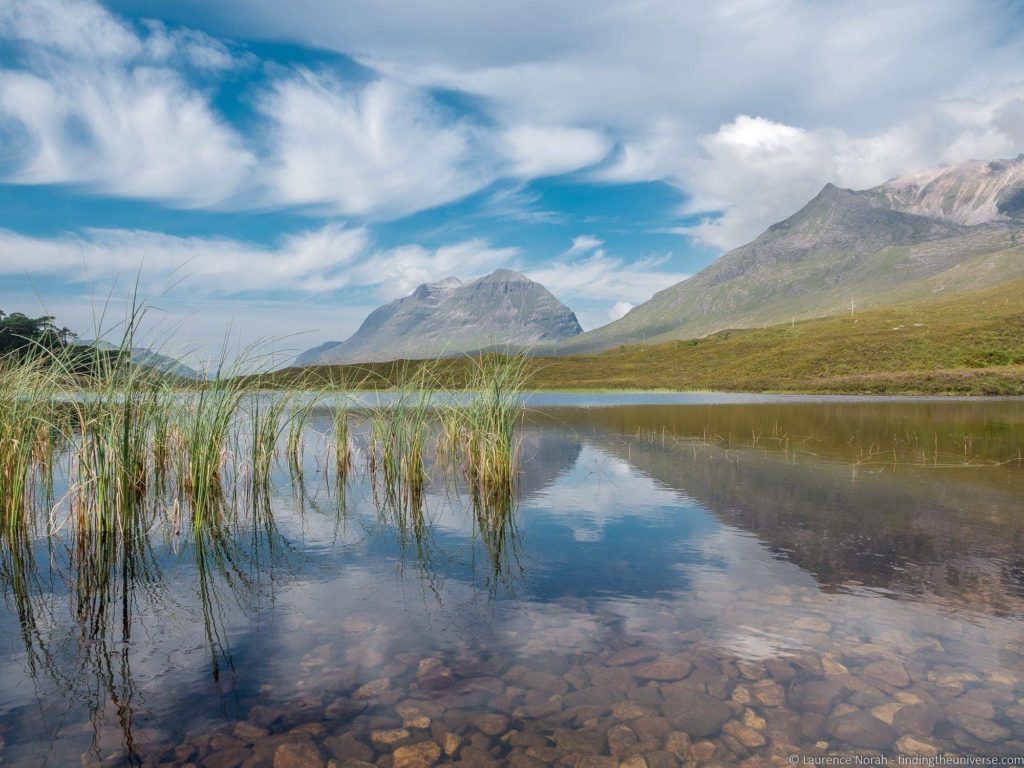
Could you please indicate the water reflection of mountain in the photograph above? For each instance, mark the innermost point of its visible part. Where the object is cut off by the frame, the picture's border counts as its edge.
(950, 533)
(544, 456)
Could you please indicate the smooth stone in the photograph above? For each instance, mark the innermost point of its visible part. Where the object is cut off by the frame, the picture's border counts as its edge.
(752, 720)
(813, 726)
(862, 730)
(372, 688)
(769, 693)
(678, 743)
(628, 710)
(745, 735)
(630, 656)
(343, 709)
(913, 721)
(220, 741)
(651, 730)
(912, 747)
(981, 728)
(665, 669)
(348, 747)
(583, 742)
(889, 672)
(248, 731)
(621, 739)
(227, 758)
(422, 755)
(388, 737)
(780, 670)
(661, 758)
(452, 742)
(971, 707)
(472, 757)
(492, 725)
(696, 713)
(886, 712)
(302, 754)
(636, 761)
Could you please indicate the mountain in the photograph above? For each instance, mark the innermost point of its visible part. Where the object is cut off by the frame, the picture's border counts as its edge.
(450, 317)
(148, 359)
(954, 229)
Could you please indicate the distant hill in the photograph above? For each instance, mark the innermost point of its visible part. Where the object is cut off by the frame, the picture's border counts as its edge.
(954, 229)
(967, 342)
(502, 309)
(148, 358)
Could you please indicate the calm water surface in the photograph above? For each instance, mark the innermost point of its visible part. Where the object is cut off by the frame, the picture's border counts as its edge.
(714, 581)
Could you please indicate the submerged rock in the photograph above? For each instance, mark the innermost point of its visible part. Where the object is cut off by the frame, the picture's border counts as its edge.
(422, 755)
(860, 729)
(303, 754)
(696, 713)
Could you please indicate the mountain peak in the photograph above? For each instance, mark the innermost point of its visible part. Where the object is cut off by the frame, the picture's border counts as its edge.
(449, 317)
(504, 276)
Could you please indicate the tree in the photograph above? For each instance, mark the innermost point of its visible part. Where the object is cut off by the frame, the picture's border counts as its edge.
(20, 333)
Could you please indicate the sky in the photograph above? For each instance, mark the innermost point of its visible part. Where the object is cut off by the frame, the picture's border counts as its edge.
(270, 172)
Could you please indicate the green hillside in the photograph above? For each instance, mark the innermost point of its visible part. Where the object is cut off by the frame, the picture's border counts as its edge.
(965, 343)
(840, 250)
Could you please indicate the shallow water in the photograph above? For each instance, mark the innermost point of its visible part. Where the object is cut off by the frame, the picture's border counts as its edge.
(708, 582)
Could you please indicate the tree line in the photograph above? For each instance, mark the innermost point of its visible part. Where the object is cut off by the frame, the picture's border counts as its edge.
(21, 334)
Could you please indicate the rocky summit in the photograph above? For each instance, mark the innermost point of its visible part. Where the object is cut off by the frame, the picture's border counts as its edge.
(500, 310)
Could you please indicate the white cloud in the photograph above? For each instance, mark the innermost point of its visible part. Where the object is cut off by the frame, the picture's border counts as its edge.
(313, 262)
(584, 244)
(619, 309)
(398, 271)
(597, 285)
(536, 151)
(752, 172)
(97, 104)
(749, 106)
(379, 148)
(304, 263)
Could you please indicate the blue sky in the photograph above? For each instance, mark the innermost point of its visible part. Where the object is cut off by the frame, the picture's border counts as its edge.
(282, 168)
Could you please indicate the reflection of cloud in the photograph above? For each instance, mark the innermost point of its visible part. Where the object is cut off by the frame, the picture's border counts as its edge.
(602, 489)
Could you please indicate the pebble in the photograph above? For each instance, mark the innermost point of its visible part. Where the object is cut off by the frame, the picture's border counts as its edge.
(298, 755)
(745, 735)
(227, 758)
(912, 747)
(696, 713)
(981, 728)
(913, 720)
(372, 689)
(665, 669)
(422, 755)
(347, 747)
(769, 693)
(860, 729)
(388, 737)
(889, 672)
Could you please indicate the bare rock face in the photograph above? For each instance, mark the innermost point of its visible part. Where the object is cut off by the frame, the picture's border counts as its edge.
(503, 309)
(971, 193)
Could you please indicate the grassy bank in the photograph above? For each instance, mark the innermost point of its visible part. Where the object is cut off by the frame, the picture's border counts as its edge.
(968, 343)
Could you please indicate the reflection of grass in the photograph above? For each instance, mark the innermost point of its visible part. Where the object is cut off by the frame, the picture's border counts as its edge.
(966, 343)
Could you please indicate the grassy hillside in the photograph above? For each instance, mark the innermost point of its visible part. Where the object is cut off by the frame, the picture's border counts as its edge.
(839, 250)
(965, 343)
